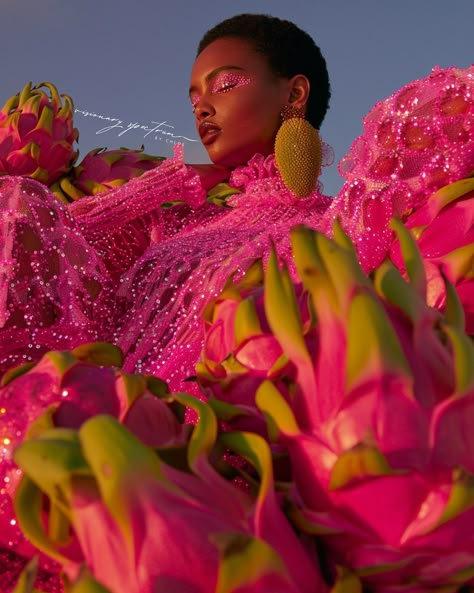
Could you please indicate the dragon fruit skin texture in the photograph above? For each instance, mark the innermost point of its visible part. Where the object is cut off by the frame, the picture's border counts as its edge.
(375, 409)
(382, 453)
(142, 524)
(103, 169)
(37, 135)
(240, 352)
(63, 390)
(240, 348)
(444, 232)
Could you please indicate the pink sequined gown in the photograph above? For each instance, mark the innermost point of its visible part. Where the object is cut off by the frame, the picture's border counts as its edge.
(162, 264)
(120, 267)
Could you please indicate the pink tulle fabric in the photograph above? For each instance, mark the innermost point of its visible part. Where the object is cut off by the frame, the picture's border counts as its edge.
(54, 288)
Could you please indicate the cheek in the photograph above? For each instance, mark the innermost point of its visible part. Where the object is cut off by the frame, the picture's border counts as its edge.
(254, 115)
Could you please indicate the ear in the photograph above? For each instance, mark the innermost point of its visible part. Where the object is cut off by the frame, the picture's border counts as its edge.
(299, 89)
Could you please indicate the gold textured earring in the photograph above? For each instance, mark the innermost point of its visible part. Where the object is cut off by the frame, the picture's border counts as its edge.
(298, 152)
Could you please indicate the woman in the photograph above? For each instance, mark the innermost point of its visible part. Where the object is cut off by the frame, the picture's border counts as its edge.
(163, 265)
(119, 266)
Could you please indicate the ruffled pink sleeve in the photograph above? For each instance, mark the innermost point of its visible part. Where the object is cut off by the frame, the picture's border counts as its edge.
(416, 141)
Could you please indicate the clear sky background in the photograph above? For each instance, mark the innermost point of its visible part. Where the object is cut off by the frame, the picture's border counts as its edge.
(131, 60)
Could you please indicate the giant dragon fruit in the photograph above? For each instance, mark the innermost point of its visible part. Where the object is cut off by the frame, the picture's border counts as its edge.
(103, 169)
(240, 351)
(37, 135)
(141, 525)
(375, 412)
(444, 232)
(62, 390)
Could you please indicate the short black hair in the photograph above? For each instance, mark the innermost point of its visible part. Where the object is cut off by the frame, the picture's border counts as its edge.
(289, 51)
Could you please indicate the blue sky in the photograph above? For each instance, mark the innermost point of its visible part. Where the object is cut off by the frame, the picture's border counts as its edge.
(130, 61)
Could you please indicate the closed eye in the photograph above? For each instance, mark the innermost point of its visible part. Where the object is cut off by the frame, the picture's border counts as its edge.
(227, 81)
(222, 88)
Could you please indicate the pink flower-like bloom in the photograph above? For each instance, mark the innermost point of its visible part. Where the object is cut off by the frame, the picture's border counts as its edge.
(378, 430)
(70, 387)
(102, 169)
(240, 351)
(444, 230)
(143, 525)
(374, 413)
(37, 135)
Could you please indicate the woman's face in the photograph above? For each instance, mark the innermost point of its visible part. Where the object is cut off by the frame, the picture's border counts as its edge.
(237, 101)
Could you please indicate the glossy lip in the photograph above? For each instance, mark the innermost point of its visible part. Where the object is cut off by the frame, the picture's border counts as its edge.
(208, 131)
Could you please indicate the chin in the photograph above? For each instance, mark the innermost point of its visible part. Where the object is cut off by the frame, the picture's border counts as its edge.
(231, 158)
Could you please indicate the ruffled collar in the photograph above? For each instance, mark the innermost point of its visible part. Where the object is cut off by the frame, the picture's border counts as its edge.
(259, 167)
(260, 179)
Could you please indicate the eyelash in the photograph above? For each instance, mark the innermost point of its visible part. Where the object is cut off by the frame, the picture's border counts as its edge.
(223, 87)
(223, 84)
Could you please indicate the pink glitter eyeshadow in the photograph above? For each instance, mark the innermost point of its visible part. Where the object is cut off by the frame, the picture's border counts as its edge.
(229, 80)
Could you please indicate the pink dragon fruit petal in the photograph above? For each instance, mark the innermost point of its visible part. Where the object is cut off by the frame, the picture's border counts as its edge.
(97, 168)
(429, 515)
(216, 347)
(456, 264)
(99, 353)
(466, 296)
(332, 334)
(288, 328)
(22, 161)
(280, 296)
(458, 565)
(412, 258)
(463, 355)
(370, 409)
(441, 199)
(259, 353)
(249, 565)
(436, 241)
(451, 434)
(152, 421)
(79, 385)
(382, 352)
(57, 459)
(402, 494)
(129, 388)
(27, 120)
(453, 536)
(247, 320)
(269, 522)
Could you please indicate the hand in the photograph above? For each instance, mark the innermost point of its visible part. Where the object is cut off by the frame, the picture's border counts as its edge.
(211, 175)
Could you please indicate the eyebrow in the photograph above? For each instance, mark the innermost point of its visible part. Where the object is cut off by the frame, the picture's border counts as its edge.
(213, 73)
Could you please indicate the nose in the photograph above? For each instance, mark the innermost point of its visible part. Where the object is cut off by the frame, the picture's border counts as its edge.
(203, 109)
